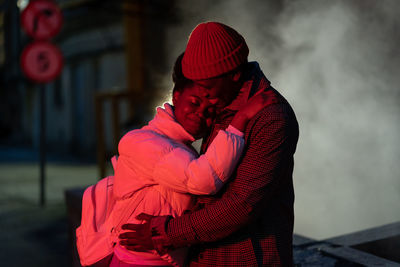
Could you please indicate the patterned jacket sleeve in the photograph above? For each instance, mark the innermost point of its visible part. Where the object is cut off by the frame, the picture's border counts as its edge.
(272, 138)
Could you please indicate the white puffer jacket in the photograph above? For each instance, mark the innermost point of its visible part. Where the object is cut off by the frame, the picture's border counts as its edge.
(157, 171)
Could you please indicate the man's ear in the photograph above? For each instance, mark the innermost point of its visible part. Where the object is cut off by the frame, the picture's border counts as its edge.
(175, 97)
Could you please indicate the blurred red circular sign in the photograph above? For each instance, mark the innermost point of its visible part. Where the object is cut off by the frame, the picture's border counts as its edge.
(41, 61)
(41, 19)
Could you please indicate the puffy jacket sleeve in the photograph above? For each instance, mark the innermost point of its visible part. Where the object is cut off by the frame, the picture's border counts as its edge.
(185, 172)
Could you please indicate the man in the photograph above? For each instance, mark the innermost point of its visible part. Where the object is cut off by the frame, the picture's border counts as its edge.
(250, 221)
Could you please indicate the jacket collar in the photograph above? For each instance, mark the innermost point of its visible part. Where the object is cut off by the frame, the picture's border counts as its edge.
(165, 123)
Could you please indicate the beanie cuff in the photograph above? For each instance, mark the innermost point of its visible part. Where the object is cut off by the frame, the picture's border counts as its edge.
(217, 68)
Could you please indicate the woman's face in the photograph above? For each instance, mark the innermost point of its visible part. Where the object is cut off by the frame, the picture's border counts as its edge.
(195, 109)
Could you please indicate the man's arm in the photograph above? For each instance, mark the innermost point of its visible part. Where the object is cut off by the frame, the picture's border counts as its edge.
(271, 141)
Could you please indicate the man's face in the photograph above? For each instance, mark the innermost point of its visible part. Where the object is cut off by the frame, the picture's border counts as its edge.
(225, 89)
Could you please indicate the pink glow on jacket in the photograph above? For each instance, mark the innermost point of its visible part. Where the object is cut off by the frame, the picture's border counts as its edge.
(157, 171)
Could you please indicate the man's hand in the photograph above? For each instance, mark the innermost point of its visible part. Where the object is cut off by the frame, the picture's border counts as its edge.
(138, 238)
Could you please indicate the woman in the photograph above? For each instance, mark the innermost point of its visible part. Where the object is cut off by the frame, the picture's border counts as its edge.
(158, 171)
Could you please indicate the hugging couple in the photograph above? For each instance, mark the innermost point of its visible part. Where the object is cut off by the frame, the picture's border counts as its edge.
(232, 205)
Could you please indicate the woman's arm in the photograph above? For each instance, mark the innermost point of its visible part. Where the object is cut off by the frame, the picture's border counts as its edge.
(183, 171)
(207, 174)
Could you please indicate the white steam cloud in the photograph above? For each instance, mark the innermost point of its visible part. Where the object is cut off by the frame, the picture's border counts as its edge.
(337, 62)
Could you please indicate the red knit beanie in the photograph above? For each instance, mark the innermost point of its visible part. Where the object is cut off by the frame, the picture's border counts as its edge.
(213, 49)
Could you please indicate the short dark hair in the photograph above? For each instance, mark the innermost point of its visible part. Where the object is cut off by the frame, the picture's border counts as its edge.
(180, 81)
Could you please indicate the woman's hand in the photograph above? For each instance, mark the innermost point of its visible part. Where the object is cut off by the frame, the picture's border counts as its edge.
(255, 104)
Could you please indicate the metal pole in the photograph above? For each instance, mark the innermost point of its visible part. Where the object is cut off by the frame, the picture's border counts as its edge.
(42, 144)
